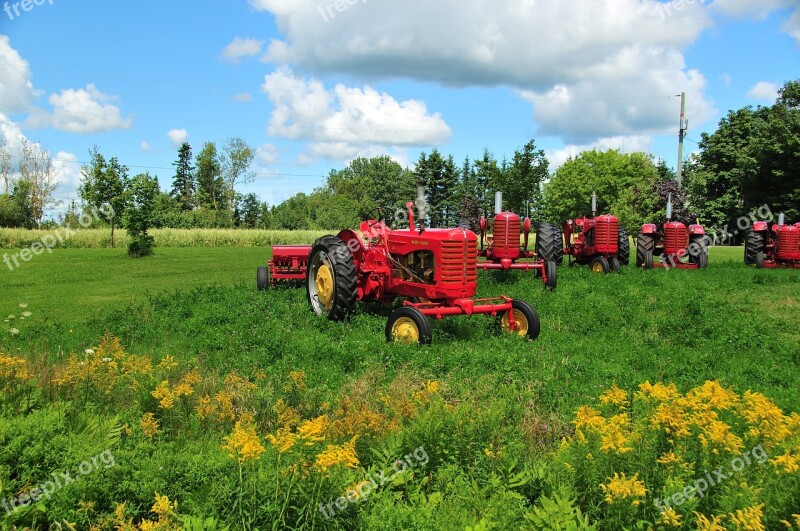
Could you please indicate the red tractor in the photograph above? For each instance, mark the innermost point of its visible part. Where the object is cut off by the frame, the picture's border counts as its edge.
(598, 241)
(503, 250)
(675, 246)
(437, 269)
(773, 249)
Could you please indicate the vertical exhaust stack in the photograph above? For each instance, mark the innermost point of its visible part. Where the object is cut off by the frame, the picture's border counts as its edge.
(498, 202)
(594, 204)
(421, 207)
(669, 207)
(781, 219)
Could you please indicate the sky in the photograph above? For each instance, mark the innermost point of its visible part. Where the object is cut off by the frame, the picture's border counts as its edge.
(313, 84)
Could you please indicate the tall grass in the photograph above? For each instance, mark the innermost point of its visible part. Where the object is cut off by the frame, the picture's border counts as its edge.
(100, 238)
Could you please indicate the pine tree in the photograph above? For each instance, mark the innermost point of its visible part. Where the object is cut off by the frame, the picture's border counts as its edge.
(183, 184)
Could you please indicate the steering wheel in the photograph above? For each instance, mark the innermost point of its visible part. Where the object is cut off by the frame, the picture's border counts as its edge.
(369, 227)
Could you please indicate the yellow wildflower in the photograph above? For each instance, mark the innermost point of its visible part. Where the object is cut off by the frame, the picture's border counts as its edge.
(288, 417)
(205, 408)
(788, 462)
(333, 455)
(588, 417)
(192, 377)
(162, 506)
(429, 388)
(164, 395)
(225, 410)
(313, 431)
(184, 389)
(615, 396)
(167, 363)
(668, 459)
(238, 386)
(765, 419)
(149, 425)
(712, 395)
(298, 380)
(672, 418)
(658, 392)
(704, 524)
(750, 519)
(615, 435)
(718, 433)
(13, 368)
(283, 440)
(243, 444)
(670, 518)
(620, 488)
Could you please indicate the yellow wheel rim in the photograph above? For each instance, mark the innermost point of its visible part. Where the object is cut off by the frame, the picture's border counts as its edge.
(597, 267)
(405, 331)
(519, 320)
(325, 288)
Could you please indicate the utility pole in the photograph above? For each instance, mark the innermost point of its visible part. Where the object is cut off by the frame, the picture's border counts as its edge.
(681, 135)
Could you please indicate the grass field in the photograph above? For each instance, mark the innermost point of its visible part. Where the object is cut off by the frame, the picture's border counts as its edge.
(729, 323)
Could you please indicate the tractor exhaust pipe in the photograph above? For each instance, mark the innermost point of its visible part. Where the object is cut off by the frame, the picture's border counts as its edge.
(594, 204)
(498, 202)
(781, 219)
(421, 207)
(669, 207)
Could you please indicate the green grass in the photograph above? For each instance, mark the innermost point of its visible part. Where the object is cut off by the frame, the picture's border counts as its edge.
(729, 322)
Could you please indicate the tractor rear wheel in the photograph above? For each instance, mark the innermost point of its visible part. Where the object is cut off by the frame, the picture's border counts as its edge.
(600, 265)
(408, 325)
(262, 278)
(644, 247)
(624, 249)
(613, 263)
(331, 279)
(551, 271)
(549, 246)
(526, 320)
(753, 243)
(760, 260)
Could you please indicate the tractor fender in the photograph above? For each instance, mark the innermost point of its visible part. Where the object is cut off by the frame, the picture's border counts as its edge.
(759, 226)
(353, 242)
(484, 224)
(649, 228)
(527, 226)
(696, 230)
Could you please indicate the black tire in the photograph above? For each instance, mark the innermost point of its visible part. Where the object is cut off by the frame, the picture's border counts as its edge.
(644, 245)
(614, 264)
(522, 310)
(335, 294)
(702, 259)
(548, 243)
(753, 244)
(262, 278)
(624, 252)
(408, 325)
(760, 260)
(551, 271)
(600, 265)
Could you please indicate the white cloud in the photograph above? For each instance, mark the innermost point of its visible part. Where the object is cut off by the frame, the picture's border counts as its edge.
(305, 110)
(792, 26)
(761, 9)
(145, 146)
(764, 90)
(240, 48)
(626, 144)
(81, 111)
(177, 137)
(268, 154)
(16, 90)
(244, 97)
(608, 56)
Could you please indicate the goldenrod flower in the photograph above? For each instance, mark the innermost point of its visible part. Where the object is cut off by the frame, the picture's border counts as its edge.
(704, 524)
(765, 419)
(668, 459)
(333, 455)
(787, 462)
(658, 392)
(298, 380)
(750, 519)
(616, 435)
(205, 408)
(283, 440)
(588, 417)
(623, 489)
(313, 431)
(163, 506)
(670, 518)
(288, 417)
(149, 425)
(164, 395)
(615, 396)
(243, 444)
(225, 410)
(167, 363)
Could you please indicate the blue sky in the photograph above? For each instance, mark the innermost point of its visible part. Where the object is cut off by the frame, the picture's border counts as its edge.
(313, 83)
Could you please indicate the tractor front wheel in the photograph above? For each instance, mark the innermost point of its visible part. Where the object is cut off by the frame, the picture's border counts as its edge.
(526, 320)
(600, 265)
(262, 278)
(702, 259)
(331, 279)
(645, 245)
(760, 260)
(613, 263)
(551, 271)
(408, 325)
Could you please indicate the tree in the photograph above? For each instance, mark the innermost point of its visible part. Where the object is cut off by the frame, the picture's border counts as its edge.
(36, 168)
(139, 214)
(487, 174)
(440, 178)
(5, 168)
(210, 184)
(624, 183)
(183, 184)
(251, 210)
(235, 164)
(105, 183)
(292, 214)
(521, 184)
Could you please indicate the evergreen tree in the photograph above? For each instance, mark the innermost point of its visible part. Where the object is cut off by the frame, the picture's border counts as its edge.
(183, 184)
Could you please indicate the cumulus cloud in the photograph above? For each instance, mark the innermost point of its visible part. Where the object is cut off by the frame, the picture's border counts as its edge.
(347, 120)
(764, 90)
(16, 89)
(626, 144)
(81, 111)
(267, 154)
(240, 48)
(177, 137)
(604, 55)
(145, 146)
(762, 9)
